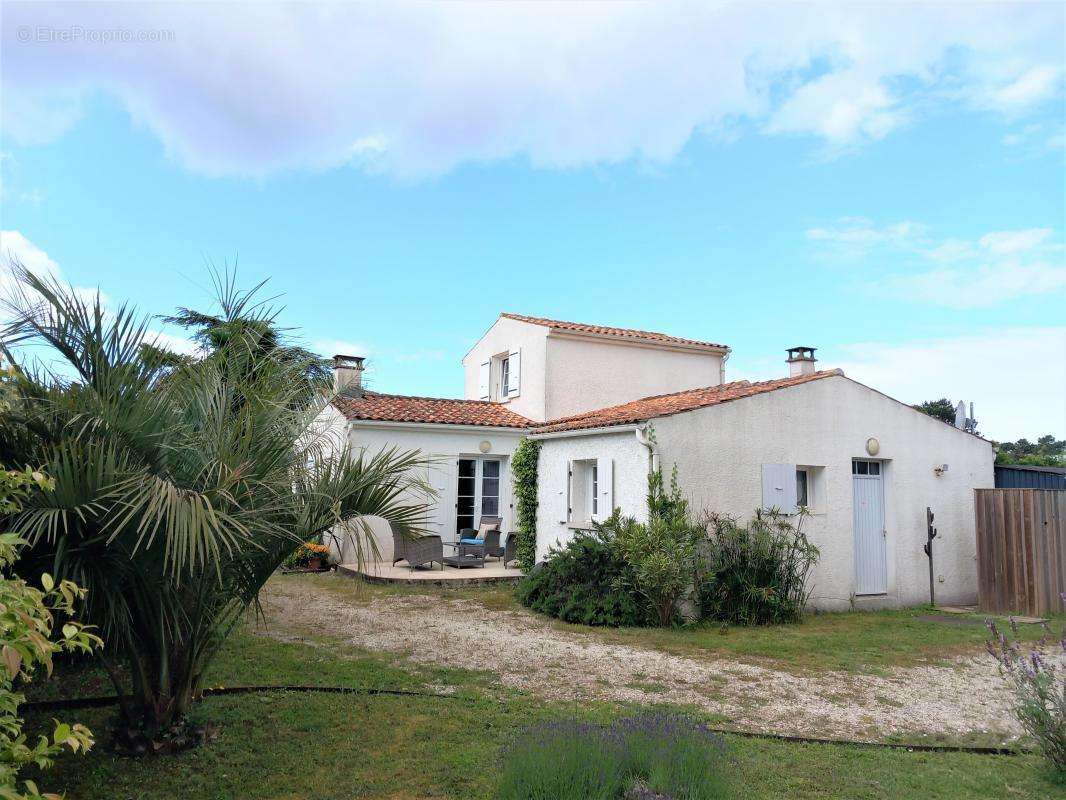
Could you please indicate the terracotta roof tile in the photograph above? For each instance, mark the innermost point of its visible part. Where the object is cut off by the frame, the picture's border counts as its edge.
(603, 330)
(664, 405)
(433, 410)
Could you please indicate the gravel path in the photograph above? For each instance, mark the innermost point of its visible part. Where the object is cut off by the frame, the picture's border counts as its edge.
(527, 653)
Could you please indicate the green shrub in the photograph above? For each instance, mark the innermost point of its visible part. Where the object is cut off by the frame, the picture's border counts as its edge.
(755, 574)
(666, 754)
(29, 640)
(664, 552)
(587, 582)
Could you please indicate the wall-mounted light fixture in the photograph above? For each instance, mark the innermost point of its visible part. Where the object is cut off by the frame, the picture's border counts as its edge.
(873, 447)
(939, 471)
(485, 446)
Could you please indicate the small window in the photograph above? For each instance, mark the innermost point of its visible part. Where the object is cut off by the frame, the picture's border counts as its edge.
(865, 467)
(802, 485)
(505, 377)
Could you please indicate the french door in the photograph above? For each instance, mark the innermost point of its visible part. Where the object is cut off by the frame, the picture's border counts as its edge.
(477, 491)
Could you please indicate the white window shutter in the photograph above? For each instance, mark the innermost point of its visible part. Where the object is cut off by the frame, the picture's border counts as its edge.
(514, 378)
(483, 380)
(568, 516)
(789, 478)
(605, 479)
(779, 487)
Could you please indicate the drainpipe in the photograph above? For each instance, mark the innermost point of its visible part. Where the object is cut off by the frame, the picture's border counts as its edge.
(653, 448)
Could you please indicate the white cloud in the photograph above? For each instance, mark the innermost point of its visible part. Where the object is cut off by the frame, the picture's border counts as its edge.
(416, 89)
(998, 267)
(856, 237)
(16, 249)
(1033, 86)
(983, 286)
(1016, 377)
(1004, 243)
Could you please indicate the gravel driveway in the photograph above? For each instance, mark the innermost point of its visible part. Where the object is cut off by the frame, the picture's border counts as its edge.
(967, 698)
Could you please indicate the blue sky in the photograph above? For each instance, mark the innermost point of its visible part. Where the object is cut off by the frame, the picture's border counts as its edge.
(890, 191)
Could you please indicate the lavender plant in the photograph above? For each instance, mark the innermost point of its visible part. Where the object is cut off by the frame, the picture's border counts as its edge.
(658, 754)
(1039, 687)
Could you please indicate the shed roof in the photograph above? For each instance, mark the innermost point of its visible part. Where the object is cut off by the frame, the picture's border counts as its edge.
(664, 405)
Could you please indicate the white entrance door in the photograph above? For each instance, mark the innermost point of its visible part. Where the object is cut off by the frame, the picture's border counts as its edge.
(871, 573)
(477, 491)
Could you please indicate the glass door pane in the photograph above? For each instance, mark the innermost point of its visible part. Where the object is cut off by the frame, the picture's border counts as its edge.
(490, 488)
(466, 495)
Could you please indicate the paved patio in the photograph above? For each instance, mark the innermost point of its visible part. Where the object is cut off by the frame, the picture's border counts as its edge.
(379, 572)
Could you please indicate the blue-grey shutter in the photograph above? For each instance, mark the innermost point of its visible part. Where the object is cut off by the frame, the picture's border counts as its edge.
(779, 487)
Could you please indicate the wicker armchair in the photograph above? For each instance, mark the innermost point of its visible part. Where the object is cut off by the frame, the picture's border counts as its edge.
(485, 541)
(510, 549)
(417, 550)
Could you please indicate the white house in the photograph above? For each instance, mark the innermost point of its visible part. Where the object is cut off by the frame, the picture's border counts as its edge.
(609, 404)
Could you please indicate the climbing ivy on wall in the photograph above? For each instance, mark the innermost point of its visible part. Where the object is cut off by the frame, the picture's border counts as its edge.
(524, 472)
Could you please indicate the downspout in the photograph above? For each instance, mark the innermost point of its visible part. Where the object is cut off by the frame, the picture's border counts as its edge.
(653, 448)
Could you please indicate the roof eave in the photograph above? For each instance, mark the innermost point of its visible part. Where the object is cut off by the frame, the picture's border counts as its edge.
(624, 427)
(638, 341)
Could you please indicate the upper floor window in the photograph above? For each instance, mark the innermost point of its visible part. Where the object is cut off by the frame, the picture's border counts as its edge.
(500, 377)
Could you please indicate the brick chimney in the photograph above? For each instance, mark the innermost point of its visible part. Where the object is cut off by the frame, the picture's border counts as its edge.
(800, 361)
(348, 375)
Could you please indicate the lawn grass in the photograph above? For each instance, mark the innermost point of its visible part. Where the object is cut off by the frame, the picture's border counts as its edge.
(289, 746)
(854, 641)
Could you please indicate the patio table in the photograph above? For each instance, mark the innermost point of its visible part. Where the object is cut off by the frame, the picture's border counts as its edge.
(466, 555)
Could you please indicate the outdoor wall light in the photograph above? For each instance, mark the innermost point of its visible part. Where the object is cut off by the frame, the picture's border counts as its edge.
(485, 446)
(873, 447)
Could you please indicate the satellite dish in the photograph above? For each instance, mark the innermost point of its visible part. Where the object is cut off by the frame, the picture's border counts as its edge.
(960, 416)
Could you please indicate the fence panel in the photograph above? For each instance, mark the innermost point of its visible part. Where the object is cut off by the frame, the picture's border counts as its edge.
(1021, 550)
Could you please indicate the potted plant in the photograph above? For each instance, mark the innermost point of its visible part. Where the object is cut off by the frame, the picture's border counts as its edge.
(317, 556)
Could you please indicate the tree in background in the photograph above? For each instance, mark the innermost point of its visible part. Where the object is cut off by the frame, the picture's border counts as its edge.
(943, 409)
(179, 488)
(1047, 451)
(247, 322)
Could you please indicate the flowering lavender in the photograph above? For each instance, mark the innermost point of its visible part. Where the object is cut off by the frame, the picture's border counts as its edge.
(1039, 687)
(656, 755)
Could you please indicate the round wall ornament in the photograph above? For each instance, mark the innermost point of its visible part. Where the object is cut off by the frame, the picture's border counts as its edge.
(485, 446)
(873, 447)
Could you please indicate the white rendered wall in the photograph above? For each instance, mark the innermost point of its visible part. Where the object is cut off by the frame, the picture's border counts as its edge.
(504, 336)
(719, 452)
(445, 444)
(585, 374)
(630, 460)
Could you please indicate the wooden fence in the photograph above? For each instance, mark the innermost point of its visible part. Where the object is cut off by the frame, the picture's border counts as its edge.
(1021, 550)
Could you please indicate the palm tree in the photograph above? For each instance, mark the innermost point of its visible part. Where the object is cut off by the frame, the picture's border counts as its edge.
(249, 320)
(179, 489)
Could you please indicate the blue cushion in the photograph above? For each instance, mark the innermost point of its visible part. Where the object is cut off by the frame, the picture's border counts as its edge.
(472, 541)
